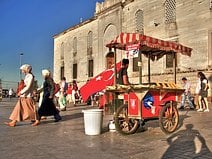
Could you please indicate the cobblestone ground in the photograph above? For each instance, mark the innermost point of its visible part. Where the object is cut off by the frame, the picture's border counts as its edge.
(67, 139)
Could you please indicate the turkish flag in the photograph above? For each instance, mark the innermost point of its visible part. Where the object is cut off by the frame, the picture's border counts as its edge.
(99, 82)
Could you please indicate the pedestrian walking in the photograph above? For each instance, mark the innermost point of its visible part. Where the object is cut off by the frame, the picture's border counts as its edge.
(203, 94)
(62, 97)
(69, 92)
(25, 108)
(47, 107)
(75, 92)
(10, 93)
(186, 94)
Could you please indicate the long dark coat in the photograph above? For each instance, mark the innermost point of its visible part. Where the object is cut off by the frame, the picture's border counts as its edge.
(48, 107)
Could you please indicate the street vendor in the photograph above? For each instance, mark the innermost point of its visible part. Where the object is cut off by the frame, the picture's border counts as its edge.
(122, 76)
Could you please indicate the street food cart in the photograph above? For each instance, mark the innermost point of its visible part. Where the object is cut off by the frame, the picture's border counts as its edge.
(146, 101)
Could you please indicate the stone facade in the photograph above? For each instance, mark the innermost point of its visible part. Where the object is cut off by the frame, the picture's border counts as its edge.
(185, 21)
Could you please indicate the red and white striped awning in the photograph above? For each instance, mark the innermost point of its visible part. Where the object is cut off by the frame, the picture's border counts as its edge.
(156, 47)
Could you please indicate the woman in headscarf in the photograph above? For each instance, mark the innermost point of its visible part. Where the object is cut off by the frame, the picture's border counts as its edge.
(25, 108)
(47, 107)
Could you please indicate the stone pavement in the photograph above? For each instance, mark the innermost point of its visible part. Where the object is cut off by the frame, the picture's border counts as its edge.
(67, 140)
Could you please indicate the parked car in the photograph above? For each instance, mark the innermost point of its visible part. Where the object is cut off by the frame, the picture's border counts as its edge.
(5, 93)
(0, 94)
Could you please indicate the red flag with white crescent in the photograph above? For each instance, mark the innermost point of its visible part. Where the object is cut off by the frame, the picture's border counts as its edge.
(99, 82)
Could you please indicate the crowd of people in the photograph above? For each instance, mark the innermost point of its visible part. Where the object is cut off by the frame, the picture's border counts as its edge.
(49, 97)
(25, 108)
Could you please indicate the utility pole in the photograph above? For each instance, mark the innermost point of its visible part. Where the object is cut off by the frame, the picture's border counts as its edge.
(20, 56)
(0, 79)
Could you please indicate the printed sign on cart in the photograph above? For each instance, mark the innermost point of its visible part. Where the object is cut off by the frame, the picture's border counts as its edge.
(148, 103)
(132, 50)
(133, 104)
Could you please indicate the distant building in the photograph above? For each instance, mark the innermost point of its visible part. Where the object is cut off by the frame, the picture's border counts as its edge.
(80, 52)
(0, 83)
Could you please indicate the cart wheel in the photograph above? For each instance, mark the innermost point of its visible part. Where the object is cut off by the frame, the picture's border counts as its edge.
(169, 118)
(123, 123)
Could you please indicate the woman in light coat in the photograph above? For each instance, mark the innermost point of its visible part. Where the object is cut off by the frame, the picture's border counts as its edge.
(25, 108)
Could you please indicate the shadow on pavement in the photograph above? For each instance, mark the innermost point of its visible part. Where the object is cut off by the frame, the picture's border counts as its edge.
(182, 118)
(188, 143)
(72, 116)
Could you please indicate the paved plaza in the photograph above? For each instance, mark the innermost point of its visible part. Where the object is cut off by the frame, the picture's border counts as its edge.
(67, 139)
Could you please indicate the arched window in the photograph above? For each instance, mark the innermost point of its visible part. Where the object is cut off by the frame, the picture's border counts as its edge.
(62, 52)
(170, 11)
(139, 22)
(74, 71)
(90, 68)
(74, 46)
(90, 43)
(169, 60)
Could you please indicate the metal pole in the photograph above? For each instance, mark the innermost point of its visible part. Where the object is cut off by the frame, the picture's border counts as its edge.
(149, 67)
(140, 66)
(0, 78)
(21, 54)
(174, 64)
(0, 70)
(115, 72)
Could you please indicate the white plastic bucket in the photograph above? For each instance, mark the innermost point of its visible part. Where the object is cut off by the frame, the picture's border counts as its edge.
(93, 119)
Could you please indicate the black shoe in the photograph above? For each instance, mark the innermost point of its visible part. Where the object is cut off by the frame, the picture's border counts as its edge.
(191, 108)
(181, 108)
(63, 109)
(57, 118)
(32, 121)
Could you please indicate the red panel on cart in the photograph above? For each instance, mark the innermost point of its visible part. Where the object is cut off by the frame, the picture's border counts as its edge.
(133, 105)
(169, 96)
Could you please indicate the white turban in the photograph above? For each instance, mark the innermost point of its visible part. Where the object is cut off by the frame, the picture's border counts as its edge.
(26, 67)
(45, 72)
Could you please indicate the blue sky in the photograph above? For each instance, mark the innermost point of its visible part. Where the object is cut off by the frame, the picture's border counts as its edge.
(28, 27)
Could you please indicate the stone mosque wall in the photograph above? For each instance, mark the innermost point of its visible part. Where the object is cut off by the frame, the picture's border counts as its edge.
(185, 21)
